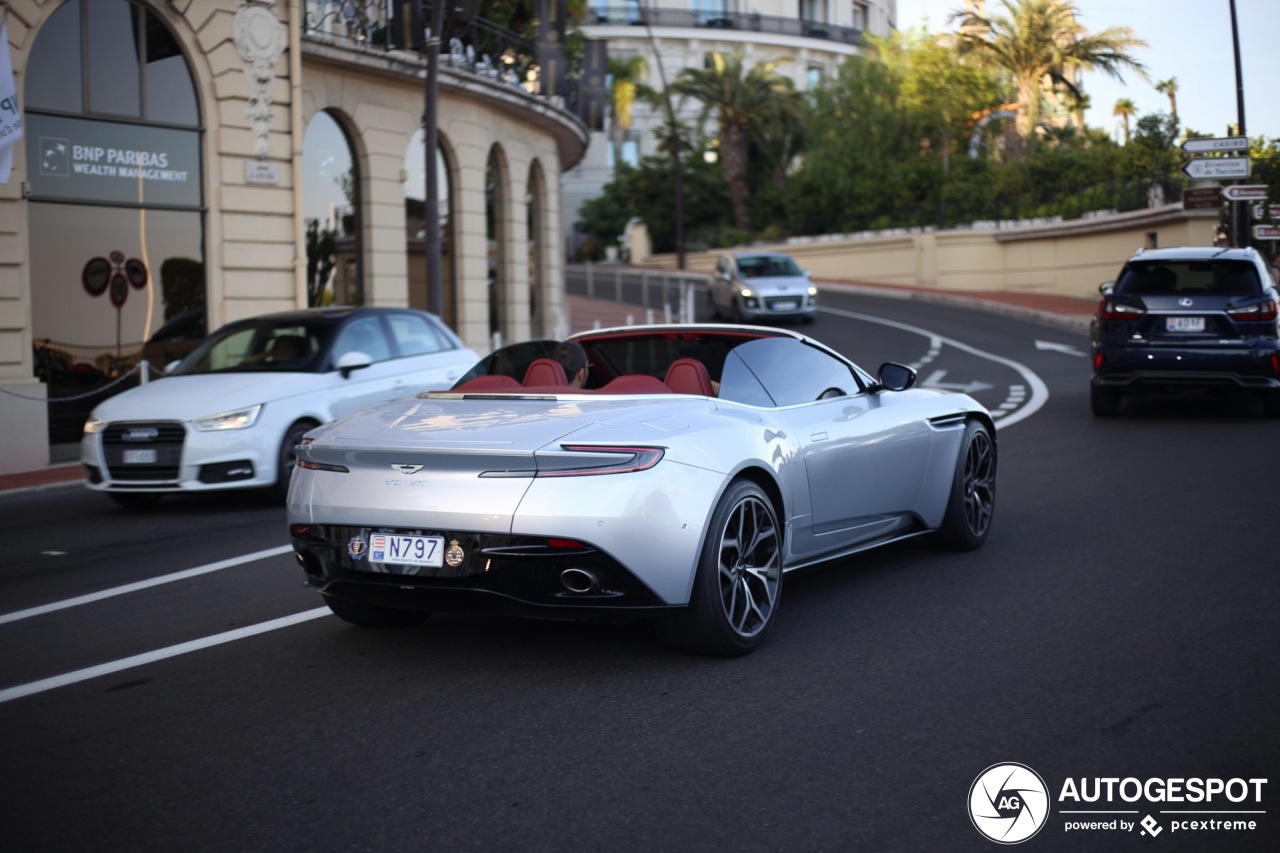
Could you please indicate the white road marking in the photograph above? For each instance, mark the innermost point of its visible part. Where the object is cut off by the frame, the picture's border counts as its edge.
(1053, 346)
(150, 582)
(1039, 391)
(159, 654)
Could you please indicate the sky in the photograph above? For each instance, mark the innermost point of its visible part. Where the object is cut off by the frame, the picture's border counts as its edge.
(1189, 40)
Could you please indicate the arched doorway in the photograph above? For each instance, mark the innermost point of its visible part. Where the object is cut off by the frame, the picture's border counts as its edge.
(331, 214)
(115, 212)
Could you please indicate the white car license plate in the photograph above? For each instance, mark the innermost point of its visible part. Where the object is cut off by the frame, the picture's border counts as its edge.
(146, 456)
(406, 550)
(785, 306)
(1184, 324)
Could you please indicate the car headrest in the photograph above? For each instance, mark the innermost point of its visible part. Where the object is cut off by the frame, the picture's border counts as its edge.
(544, 372)
(489, 382)
(688, 376)
(635, 383)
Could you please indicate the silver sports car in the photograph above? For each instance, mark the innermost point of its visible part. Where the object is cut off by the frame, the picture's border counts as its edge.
(696, 466)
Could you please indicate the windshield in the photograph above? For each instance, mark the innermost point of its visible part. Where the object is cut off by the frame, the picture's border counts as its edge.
(767, 266)
(265, 346)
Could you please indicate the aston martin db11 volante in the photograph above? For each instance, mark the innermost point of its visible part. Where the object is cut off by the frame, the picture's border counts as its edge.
(697, 465)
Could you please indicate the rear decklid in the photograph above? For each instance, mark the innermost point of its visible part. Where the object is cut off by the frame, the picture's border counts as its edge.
(464, 461)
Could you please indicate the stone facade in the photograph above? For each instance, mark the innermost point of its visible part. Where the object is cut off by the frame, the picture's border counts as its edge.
(260, 75)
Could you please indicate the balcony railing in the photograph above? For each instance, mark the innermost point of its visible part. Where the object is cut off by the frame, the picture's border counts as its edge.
(634, 14)
(475, 46)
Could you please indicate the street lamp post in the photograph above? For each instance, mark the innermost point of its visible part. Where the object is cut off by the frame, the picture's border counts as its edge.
(431, 145)
(1239, 209)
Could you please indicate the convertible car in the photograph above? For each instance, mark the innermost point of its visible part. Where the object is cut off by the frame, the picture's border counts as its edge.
(696, 467)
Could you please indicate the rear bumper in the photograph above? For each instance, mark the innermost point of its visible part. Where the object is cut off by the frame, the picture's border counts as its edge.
(513, 574)
(1211, 369)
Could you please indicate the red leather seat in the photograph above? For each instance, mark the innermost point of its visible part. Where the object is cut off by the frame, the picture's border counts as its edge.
(635, 383)
(545, 372)
(494, 382)
(688, 376)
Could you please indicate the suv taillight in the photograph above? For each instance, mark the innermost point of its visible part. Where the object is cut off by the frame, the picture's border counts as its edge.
(1257, 311)
(1109, 309)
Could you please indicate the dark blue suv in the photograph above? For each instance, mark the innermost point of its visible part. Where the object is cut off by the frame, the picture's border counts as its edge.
(1199, 319)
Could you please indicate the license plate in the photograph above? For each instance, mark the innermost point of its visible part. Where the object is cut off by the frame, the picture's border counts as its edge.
(785, 306)
(1184, 324)
(146, 456)
(406, 550)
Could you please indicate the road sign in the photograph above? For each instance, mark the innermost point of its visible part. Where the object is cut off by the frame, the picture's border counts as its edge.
(1245, 192)
(1225, 143)
(1202, 198)
(1266, 232)
(1217, 167)
(1266, 211)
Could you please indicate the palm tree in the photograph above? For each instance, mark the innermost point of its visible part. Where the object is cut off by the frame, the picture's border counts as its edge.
(1126, 109)
(1170, 87)
(744, 102)
(1040, 43)
(626, 87)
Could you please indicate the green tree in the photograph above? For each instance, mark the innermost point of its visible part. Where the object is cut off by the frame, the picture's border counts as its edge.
(1169, 88)
(1125, 109)
(1039, 44)
(743, 100)
(626, 86)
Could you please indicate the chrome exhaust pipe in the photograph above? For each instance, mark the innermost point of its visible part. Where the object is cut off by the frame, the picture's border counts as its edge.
(579, 580)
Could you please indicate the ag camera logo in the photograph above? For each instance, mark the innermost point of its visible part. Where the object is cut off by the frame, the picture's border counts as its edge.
(1008, 803)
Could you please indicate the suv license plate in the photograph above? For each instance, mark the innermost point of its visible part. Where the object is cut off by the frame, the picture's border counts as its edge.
(140, 457)
(1184, 324)
(406, 550)
(785, 306)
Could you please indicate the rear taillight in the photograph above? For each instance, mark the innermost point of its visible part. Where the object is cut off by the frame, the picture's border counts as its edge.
(322, 466)
(1110, 309)
(1257, 311)
(1097, 361)
(614, 460)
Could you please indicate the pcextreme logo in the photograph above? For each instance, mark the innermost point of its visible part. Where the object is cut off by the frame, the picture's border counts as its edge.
(1009, 803)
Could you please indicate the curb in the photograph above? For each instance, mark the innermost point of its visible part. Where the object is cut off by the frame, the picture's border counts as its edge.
(1065, 321)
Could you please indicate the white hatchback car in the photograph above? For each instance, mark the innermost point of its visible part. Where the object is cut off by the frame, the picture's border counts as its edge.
(229, 415)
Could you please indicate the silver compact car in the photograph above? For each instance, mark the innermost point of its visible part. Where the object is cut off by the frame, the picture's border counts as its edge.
(755, 286)
(696, 467)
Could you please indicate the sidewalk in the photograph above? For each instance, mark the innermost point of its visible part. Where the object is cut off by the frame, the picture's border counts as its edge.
(584, 313)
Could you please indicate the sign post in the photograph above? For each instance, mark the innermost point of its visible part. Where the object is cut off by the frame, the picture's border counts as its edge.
(1245, 192)
(1218, 168)
(1210, 145)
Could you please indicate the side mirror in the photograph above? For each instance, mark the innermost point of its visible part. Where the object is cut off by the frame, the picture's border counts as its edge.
(1106, 287)
(807, 273)
(172, 366)
(895, 377)
(352, 361)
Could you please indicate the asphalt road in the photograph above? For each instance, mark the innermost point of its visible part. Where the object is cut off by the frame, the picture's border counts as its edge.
(1119, 623)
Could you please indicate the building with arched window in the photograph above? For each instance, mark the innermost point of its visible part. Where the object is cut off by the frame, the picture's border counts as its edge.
(185, 163)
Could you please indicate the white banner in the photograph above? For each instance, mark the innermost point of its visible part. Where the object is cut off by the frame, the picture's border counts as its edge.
(10, 115)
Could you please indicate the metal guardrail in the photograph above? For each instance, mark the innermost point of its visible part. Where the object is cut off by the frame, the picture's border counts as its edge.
(670, 296)
(632, 13)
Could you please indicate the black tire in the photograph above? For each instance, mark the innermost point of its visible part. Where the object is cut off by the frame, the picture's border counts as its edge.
(135, 500)
(1105, 402)
(738, 584)
(973, 493)
(372, 615)
(279, 492)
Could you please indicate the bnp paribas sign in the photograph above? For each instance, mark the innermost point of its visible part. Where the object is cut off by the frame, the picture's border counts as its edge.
(72, 159)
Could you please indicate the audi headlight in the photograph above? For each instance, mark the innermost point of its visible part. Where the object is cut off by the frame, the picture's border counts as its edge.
(93, 426)
(239, 419)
